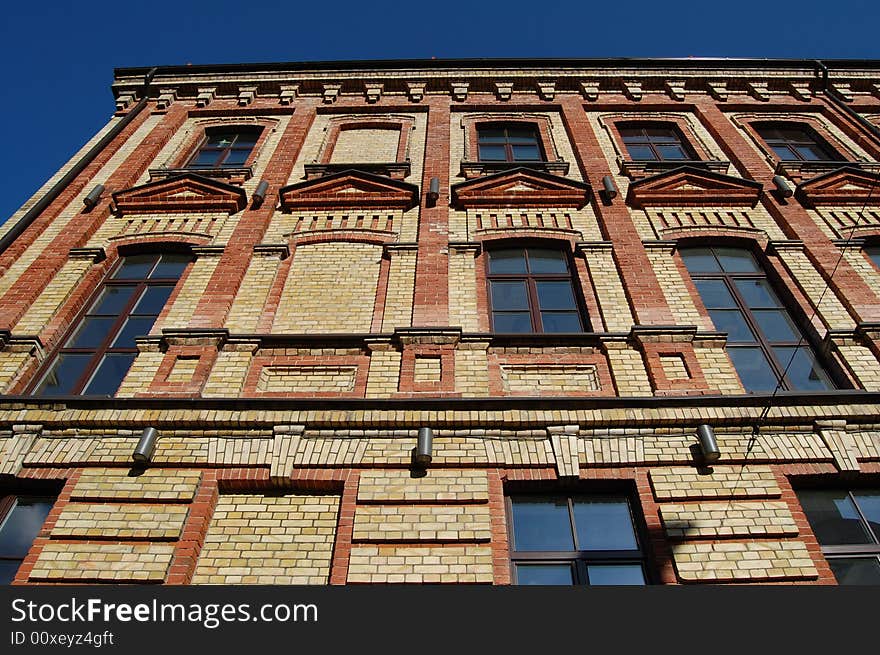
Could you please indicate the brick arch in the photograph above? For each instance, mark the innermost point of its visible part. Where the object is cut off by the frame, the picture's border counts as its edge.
(613, 122)
(199, 130)
(403, 124)
(470, 123)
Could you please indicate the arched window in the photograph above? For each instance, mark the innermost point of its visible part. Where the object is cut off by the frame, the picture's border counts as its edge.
(796, 142)
(100, 348)
(531, 290)
(509, 142)
(225, 147)
(655, 142)
(762, 337)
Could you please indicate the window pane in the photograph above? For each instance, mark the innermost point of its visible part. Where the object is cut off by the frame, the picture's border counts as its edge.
(804, 372)
(776, 325)
(509, 295)
(737, 260)
(671, 152)
(8, 569)
(512, 322)
(507, 261)
(833, 517)
(757, 293)
(153, 300)
(91, 333)
(544, 574)
(235, 158)
(604, 524)
(784, 153)
(813, 152)
(615, 574)
(541, 524)
(135, 267)
(491, 135)
(521, 133)
(561, 322)
(732, 322)
(220, 139)
(171, 266)
(108, 377)
(639, 152)
(134, 327)
(63, 375)
(715, 294)
(555, 295)
(753, 369)
(661, 134)
(700, 260)
(547, 261)
(22, 525)
(113, 300)
(247, 138)
(869, 504)
(526, 153)
(493, 152)
(874, 254)
(206, 159)
(856, 570)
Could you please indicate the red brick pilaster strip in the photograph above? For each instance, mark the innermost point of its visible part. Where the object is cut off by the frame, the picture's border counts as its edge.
(186, 552)
(344, 530)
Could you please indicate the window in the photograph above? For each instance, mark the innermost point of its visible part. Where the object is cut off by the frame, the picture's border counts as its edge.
(579, 539)
(873, 253)
(530, 290)
(655, 143)
(796, 143)
(225, 148)
(514, 142)
(101, 348)
(21, 518)
(847, 526)
(762, 338)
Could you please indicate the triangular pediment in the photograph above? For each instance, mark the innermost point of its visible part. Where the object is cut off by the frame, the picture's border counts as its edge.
(182, 193)
(351, 188)
(520, 187)
(688, 186)
(844, 186)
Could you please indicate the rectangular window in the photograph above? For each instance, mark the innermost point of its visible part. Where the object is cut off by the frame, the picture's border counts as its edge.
(21, 518)
(575, 540)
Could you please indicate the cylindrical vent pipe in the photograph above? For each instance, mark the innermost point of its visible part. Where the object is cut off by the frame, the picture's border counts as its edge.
(708, 444)
(422, 452)
(608, 185)
(94, 196)
(782, 186)
(434, 188)
(260, 193)
(143, 453)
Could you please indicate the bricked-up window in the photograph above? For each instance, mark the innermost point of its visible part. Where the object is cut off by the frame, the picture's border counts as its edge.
(530, 290)
(762, 337)
(794, 142)
(657, 142)
(509, 142)
(21, 518)
(100, 349)
(225, 148)
(577, 539)
(847, 525)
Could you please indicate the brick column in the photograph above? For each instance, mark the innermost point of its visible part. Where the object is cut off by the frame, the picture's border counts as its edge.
(186, 552)
(221, 290)
(431, 298)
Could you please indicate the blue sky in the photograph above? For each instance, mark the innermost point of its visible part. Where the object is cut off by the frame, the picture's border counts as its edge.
(60, 54)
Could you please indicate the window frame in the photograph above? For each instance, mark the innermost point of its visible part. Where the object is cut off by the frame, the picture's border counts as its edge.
(812, 138)
(8, 502)
(510, 158)
(531, 280)
(579, 560)
(644, 126)
(256, 130)
(762, 341)
(105, 346)
(872, 253)
(846, 551)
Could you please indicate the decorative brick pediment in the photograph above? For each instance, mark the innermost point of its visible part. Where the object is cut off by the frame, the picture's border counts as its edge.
(350, 188)
(687, 187)
(520, 187)
(845, 186)
(183, 193)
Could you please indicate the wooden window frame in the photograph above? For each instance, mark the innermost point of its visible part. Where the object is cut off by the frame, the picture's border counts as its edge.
(812, 138)
(508, 146)
(8, 503)
(669, 126)
(258, 130)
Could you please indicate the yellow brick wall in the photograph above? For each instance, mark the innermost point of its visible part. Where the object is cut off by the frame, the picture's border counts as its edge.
(247, 308)
(549, 379)
(227, 376)
(12, 364)
(674, 367)
(446, 523)
(183, 369)
(141, 373)
(420, 564)
(384, 373)
(331, 288)
(743, 562)
(864, 364)
(300, 550)
(190, 294)
(718, 370)
(813, 285)
(726, 481)
(472, 370)
(307, 378)
(427, 369)
(439, 486)
(463, 290)
(52, 297)
(674, 290)
(96, 562)
(366, 145)
(628, 371)
(152, 485)
(399, 297)
(120, 521)
(728, 519)
(605, 278)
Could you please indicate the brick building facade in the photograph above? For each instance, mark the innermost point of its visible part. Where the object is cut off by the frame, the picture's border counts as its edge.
(562, 268)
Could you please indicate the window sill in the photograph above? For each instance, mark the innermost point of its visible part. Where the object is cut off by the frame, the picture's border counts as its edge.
(231, 175)
(798, 171)
(472, 169)
(394, 170)
(643, 168)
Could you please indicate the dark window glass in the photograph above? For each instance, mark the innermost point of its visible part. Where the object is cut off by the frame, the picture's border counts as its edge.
(19, 527)
(580, 539)
(530, 290)
(797, 143)
(763, 341)
(655, 143)
(509, 143)
(847, 525)
(101, 347)
(873, 253)
(225, 148)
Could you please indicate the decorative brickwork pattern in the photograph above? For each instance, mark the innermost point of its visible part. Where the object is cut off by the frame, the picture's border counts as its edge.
(728, 519)
(439, 486)
(727, 481)
(405, 564)
(88, 562)
(120, 521)
(743, 562)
